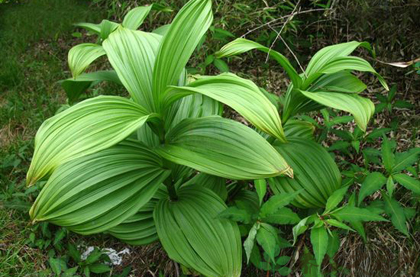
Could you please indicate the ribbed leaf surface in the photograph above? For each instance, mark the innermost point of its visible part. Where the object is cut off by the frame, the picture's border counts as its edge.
(132, 54)
(240, 94)
(361, 108)
(82, 55)
(224, 148)
(315, 172)
(83, 129)
(192, 233)
(180, 41)
(140, 229)
(135, 17)
(96, 192)
(241, 45)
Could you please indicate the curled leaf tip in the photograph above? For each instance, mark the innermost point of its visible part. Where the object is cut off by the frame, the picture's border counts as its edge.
(289, 172)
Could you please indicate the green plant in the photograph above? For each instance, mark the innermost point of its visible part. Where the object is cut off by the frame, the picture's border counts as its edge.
(106, 157)
(388, 102)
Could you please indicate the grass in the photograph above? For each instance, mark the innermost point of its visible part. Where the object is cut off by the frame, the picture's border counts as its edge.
(35, 36)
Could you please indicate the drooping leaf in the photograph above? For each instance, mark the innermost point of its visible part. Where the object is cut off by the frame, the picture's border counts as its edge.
(99, 191)
(74, 87)
(95, 28)
(338, 224)
(357, 224)
(193, 235)
(396, 212)
(83, 129)
(241, 45)
(319, 240)
(222, 147)
(132, 54)
(329, 53)
(361, 108)
(299, 229)
(335, 198)
(315, 172)
(352, 214)
(408, 182)
(82, 55)
(342, 81)
(240, 94)
(373, 182)
(179, 42)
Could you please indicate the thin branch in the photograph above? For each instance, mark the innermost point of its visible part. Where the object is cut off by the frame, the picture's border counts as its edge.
(281, 18)
(293, 13)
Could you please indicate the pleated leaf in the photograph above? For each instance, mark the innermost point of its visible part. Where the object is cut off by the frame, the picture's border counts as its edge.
(342, 81)
(82, 55)
(241, 45)
(132, 54)
(99, 191)
(240, 94)
(74, 87)
(140, 228)
(224, 148)
(299, 129)
(135, 17)
(329, 53)
(361, 108)
(180, 41)
(315, 173)
(84, 128)
(216, 184)
(193, 235)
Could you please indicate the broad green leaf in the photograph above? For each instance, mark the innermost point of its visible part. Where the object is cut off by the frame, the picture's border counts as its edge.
(373, 182)
(299, 129)
(82, 55)
(335, 198)
(193, 235)
(99, 268)
(222, 147)
(99, 191)
(396, 212)
(342, 81)
(236, 214)
(336, 223)
(74, 87)
(250, 241)
(388, 158)
(135, 17)
(408, 182)
(282, 216)
(315, 172)
(180, 41)
(240, 94)
(299, 229)
(276, 202)
(267, 238)
(329, 53)
(351, 63)
(261, 189)
(83, 129)
(216, 184)
(357, 224)
(140, 229)
(406, 159)
(241, 45)
(352, 214)
(132, 54)
(361, 108)
(319, 240)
